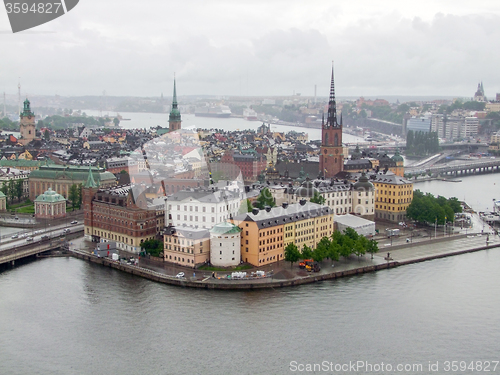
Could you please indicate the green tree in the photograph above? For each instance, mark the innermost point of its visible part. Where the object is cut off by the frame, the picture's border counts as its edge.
(116, 121)
(292, 253)
(318, 198)
(264, 199)
(360, 245)
(152, 247)
(372, 247)
(11, 192)
(73, 196)
(46, 135)
(306, 252)
(321, 251)
(19, 189)
(249, 206)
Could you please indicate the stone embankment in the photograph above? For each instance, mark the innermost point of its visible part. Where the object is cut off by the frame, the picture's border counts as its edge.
(286, 276)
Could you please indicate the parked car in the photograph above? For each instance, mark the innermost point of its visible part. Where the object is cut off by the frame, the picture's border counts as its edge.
(74, 222)
(180, 275)
(66, 230)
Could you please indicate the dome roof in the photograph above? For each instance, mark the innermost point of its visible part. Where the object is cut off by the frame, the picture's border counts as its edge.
(397, 156)
(363, 183)
(50, 196)
(225, 228)
(306, 190)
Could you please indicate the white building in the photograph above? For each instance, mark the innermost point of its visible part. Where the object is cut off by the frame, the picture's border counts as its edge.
(470, 127)
(202, 207)
(225, 245)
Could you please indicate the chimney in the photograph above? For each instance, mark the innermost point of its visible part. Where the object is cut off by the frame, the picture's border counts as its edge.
(284, 205)
(255, 211)
(302, 202)
(268, 208)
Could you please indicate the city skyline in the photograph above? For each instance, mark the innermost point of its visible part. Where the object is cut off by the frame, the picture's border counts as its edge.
(255, 49)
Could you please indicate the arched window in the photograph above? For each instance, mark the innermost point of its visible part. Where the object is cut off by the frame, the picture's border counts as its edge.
(336, 140)
(326, 139)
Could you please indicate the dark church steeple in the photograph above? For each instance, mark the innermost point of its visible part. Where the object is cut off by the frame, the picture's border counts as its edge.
(174, 119)
(331, 120)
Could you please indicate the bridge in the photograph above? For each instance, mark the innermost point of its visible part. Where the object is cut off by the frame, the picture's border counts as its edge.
(13, 253)
(462, 168)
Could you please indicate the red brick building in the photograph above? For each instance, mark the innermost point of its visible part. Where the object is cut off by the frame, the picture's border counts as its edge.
(250, 164)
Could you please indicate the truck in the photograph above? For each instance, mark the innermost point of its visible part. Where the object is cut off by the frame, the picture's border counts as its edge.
(309, 265)
(392, 232)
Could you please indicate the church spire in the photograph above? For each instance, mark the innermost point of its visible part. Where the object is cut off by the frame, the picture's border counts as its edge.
(90, 179)
(332, 106)
(175, 115)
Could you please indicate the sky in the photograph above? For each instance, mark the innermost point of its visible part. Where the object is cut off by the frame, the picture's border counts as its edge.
(273, 47)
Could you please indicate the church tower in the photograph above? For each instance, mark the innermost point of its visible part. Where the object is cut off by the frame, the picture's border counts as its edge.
(174, 120)
(331, 160)
(27, 124)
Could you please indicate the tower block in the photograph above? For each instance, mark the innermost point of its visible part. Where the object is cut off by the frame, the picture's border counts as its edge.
(331, 160)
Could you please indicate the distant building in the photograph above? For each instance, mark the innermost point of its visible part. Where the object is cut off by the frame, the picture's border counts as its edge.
(3, 202)
(479, 94)
(27, 126)
(422, 124)
(471, 125)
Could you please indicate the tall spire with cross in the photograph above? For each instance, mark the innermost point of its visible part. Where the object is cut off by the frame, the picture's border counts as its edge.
(332, 105)
(174, 119)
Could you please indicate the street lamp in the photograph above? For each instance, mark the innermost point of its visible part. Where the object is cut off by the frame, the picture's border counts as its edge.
(435, 228)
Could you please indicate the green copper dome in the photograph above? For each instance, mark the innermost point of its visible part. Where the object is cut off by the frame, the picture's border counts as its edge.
(225, 228)
(397, 156)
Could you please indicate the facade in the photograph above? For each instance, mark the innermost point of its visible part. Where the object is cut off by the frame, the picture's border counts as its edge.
(202, 207)
(27, 126)
(393, 196)
(13, 174)
(471, 126)
(437, 125)
(61, 177)
(331, 159)
(174, 119)
(50, 205)
(419, 124)
(249, 164)
(225, 245)
(453, 127)
(118, 213)
(186, 246)
(116, 165)
(266, 233)
(3, 202)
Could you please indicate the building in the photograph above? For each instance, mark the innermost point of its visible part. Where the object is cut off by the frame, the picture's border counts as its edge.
(362, 226)
(202, 207)
(250, 164)
(186, 246)
(50, 205)
(479, 94)
(225, 245)
(61, 177)
(437, 125)
(116, 165)
(471, 126)
(3, 202)
(266, 233)
(13, 174)
(419, 124)
(174, 119)
(27, 127)
(393, 195)
(331, 159)
(118, 213)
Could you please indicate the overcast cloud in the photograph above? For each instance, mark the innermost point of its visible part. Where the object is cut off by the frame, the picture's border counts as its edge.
(257, 48)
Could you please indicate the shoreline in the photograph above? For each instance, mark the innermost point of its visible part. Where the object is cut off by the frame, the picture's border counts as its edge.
(399, 256)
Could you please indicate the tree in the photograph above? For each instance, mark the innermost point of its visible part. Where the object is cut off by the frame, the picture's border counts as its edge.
(152, 247)
(249, 206)
(360, 246)
(73, 196)
(80, 187)
(292, 253)
(321, 251)
(306, 252)
(19, 189)
(372, 247)
(318, 198)
(264, 199)
(46, 135)
(11, 191)
(116, 121)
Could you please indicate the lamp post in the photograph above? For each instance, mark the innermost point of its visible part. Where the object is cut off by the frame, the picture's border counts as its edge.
(445, 225)
(435, 228)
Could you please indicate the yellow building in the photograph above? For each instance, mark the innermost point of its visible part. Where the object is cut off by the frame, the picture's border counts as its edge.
(266, 233)
(393, 195)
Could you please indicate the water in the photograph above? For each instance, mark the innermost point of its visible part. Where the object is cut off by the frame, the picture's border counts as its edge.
(66, 316)
(478, 191)
(148, 120)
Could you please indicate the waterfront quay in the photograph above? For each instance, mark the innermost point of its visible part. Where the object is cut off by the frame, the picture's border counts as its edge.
(282, 274)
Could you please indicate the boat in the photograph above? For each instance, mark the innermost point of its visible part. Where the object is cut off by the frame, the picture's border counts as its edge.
(221, 111)
(250, 115)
